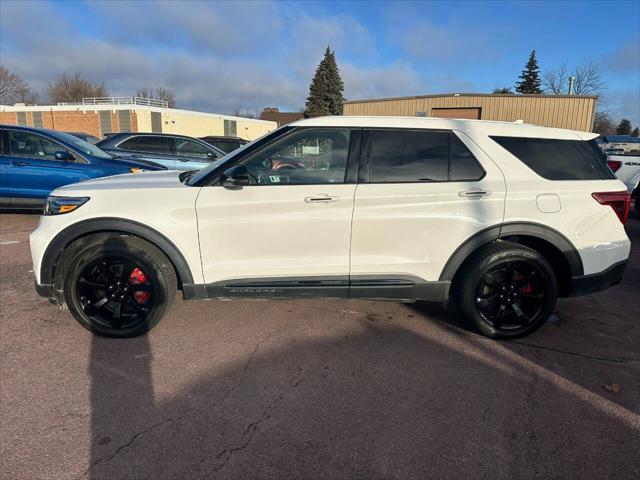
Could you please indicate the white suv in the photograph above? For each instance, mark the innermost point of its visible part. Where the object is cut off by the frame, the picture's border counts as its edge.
(498, 218)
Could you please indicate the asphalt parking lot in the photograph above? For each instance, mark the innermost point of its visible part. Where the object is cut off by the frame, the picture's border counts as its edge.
(316, 389)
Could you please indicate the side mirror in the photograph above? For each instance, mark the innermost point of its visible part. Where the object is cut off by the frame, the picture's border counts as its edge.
(211, 155)
(235, 176)
(64, 156)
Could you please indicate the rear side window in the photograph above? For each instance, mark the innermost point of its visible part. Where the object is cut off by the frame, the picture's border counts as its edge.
(409, 156)
(559, 159)
(399, 156)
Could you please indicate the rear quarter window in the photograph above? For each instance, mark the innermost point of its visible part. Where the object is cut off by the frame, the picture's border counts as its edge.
(559, 159)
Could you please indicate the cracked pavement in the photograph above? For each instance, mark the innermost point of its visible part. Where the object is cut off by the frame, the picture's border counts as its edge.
(315, 389)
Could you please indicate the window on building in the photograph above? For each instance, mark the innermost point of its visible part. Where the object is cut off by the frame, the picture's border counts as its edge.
(309, 156)
(230, 127)
(156, 122)
(37, 119)
(124, 120)
(559, 159)
(21, 118)
(105, 121)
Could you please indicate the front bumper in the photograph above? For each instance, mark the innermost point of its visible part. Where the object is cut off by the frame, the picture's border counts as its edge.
(585, 284)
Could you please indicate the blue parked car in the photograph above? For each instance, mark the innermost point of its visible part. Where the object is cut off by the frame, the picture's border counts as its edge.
(176, 152)
(35, 161)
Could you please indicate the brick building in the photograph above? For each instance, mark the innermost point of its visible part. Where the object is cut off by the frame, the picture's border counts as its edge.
(99, 116)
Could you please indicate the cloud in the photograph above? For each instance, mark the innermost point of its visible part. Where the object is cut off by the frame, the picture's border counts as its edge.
(622, 104)
(626, 58)
(398, 79)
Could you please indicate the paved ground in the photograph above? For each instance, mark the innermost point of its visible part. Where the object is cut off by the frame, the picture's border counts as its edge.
(316, 389)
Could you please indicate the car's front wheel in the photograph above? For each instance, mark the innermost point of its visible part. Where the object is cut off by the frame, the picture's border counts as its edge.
(507, 290)
(118, 285)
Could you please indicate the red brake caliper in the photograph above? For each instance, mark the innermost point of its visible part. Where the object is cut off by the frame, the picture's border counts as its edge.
(526, 288)
(138, 277)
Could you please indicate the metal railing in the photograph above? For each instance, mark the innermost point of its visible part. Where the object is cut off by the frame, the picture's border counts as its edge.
(148, 102)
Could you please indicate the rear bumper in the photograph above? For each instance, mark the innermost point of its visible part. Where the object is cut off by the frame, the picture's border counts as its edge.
(596, 282)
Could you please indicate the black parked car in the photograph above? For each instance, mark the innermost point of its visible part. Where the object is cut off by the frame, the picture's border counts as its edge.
(87, 137)
(226, 144)
(176, 152)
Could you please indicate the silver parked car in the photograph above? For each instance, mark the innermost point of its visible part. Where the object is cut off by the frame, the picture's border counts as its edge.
(176, 152)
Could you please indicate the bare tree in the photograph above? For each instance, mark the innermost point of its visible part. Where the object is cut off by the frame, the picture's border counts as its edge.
(73, 88)
(603, 124)
(160, 93)
(501, 90)
(14, 89)
(246, 113)
(588, 80)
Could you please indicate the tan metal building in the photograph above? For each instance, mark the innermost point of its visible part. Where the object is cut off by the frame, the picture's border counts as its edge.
(562, 111)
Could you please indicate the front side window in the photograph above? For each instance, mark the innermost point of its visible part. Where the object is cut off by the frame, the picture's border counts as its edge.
(189, 148)
(407, 156)
(154, 145)
(25, 144)
(308, 156)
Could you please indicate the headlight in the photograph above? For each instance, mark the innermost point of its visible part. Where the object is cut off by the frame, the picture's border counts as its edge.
(136, 170)
(60, 205)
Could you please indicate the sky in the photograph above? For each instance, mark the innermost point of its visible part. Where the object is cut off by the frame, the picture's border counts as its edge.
(226, 57)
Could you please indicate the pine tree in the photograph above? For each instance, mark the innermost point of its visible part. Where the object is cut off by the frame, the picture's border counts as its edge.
(635, 132)
(325, 92)
(530, 77)
(624, 127)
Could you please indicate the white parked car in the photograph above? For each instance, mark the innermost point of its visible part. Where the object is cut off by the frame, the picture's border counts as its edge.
(627, 169)
(497, 218)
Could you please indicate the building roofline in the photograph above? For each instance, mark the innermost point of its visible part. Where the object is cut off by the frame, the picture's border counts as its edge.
(440, 95)
(133, 107)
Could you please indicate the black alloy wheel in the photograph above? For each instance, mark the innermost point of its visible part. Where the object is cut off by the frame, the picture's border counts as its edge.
(506, 290)
(117, 285)
(115, 292)
(511, 295)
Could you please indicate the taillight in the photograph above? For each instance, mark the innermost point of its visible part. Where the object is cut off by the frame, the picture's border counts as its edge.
(619, 201)
(614, 165)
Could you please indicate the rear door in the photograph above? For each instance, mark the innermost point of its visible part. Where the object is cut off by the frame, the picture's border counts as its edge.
(421, 194)
(33, 171)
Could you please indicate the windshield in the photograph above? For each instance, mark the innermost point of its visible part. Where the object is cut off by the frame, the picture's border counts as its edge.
(203, 173)
(84, 147)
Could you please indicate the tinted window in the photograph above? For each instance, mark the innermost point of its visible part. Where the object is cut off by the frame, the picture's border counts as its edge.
(408, 156)
(25, 144)
(309, 156)
(464, 166)
(190, 148)
(153, 145)
(559, 159)
(128, 144)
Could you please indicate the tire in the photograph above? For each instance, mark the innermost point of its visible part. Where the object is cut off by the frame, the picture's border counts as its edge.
(107, 270)
(507, 290)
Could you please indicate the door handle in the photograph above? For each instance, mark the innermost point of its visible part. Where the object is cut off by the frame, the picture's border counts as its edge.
(320, 198)
(474, 192)
(20, 164)
(136, 156)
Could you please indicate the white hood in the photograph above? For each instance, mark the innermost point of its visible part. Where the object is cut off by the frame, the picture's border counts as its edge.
(159, 179)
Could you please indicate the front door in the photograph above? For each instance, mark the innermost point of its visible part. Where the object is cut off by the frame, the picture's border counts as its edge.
(33, 171)
(287, 233)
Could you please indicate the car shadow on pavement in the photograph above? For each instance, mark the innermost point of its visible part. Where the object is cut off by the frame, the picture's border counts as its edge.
(383, 402)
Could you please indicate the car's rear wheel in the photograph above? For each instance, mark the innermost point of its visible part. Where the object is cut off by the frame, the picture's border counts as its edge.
(507, 290)
(117, 285)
